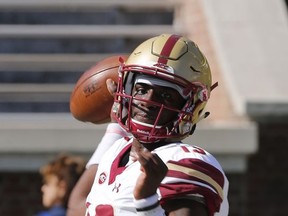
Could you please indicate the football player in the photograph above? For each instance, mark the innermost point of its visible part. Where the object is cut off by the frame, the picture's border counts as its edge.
(162, 90)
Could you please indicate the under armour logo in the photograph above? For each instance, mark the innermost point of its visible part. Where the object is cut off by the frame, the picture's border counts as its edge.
(116, 187)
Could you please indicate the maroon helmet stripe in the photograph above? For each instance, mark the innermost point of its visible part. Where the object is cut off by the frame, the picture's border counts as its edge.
(167, 48)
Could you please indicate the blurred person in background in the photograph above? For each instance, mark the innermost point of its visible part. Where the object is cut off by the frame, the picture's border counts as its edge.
(59, 177)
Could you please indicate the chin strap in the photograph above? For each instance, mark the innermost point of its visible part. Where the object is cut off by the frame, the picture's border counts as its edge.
(143, 131)
(214, 86)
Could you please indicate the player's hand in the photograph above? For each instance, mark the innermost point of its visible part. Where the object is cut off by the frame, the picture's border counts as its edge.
(153, 170)
(111, 86)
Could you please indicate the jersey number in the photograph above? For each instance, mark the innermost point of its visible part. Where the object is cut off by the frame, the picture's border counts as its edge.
(198, 150)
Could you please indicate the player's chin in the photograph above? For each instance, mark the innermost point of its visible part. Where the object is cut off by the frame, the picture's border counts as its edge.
(144, 118)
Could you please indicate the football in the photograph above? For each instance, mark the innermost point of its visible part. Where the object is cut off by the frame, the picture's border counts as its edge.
(90, 99)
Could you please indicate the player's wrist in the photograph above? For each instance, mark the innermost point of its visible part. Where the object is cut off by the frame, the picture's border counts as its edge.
(145, 202)
(149, 206)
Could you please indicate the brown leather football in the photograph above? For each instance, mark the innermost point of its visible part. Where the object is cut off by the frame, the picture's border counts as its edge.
(90, 99)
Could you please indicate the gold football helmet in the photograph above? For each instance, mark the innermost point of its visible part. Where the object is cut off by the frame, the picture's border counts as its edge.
(179, 61)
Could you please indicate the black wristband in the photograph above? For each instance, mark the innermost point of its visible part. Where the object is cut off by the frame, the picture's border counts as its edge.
(148, 207)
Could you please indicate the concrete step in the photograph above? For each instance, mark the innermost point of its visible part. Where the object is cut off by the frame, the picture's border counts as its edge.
(86, 5)
(83, 31)
(50, 62)
(35, 92)
(27, 139)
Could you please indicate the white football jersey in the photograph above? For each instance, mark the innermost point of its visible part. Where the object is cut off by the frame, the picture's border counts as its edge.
(192, 172)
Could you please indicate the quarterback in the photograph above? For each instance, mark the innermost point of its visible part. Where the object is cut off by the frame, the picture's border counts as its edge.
(162, 90)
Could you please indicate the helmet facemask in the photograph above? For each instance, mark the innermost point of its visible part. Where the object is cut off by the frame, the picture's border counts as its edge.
(150, 133)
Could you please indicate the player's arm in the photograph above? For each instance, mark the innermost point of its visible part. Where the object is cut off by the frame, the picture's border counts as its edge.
(197, 184)
(146, 200)
(182, 200)
(153, 171)
(81, 190)
(77, 200)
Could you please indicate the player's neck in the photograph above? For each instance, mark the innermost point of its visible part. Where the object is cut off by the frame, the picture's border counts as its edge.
(152, 146)
(136, 145)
